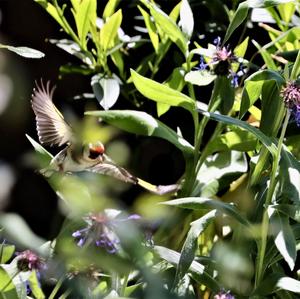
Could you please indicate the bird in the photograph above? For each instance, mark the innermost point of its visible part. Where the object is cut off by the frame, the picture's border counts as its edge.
(77, 156)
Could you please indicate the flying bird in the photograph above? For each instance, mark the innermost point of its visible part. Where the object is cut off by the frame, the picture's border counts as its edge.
(76, 156)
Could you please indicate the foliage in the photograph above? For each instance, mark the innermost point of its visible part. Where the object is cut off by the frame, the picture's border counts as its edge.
(237, 208)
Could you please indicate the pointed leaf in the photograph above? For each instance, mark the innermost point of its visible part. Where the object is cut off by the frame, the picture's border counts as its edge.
(35, 286)
(24, 51)
(110, 8)
(6, 252)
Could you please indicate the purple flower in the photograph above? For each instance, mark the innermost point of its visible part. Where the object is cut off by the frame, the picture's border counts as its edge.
(100, 230)
(29, 261)
(224, 295)
(291, 94)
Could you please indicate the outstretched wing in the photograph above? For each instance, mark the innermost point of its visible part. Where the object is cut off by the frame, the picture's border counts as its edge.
(50, 124)
(108, 167)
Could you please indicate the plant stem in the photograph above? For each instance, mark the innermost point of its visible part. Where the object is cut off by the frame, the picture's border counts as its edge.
(265, 221)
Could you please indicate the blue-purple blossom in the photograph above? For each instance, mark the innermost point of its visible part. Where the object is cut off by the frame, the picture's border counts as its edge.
(29, 261)
(224, 295)
(100, 230)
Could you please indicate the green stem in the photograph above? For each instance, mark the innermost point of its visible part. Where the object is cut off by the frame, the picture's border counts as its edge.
(271, 189)
(56, 288)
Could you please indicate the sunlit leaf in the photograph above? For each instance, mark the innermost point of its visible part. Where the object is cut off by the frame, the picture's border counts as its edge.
(8, 289)
(35, 286)
(6, 252)
(110, 8)
(200, 78)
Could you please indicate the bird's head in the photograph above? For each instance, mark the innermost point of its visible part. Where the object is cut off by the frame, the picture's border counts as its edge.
(94, 150)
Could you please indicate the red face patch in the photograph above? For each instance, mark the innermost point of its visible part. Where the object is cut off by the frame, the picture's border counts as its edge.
(96, 151)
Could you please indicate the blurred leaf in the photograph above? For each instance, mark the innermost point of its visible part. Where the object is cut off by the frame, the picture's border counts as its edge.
(141, 123)
(24, 51)
(202, 203)
(110, 8)
(265, 140)
(284, 238)
(200, 78)
(186, 19)
(161, 93)
(290, 210)
(266, 56)
(6, 252)
(275, 281)
(35, 286)
(196, 269)
(151, 29)
(85, 14)
(190, 245)
(168, 26)
(109, 31)
(218, 171)
(106, 90)
(8, 290)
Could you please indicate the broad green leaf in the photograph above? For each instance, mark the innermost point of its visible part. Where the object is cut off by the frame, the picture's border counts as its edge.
(151, 29)
(168, 26)
(196, 269)
(106, 90)
(202, 203)
(237, 140)
(190, 245)
(24, 51)
(161, 93)
(200, 78)
(109, 31)
(6, 252)
(284, 238)
(141, 123)
(186, 19)
(241, 49)
(266, 56)
(265, 140)
(276, 281)
(110, 8)
(35, 286)
(218, 171)
(7, 287)
(85, 14)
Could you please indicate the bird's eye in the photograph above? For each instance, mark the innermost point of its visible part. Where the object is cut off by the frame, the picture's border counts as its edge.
(95, 151)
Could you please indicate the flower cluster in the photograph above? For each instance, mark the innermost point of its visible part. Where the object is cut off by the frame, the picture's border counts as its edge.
(291, 97)
(29, 261)
(222, 60)
(224, 295)
(100, 230)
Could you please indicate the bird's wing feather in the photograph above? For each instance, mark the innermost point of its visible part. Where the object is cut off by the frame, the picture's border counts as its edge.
(108, 167)
(51, 126)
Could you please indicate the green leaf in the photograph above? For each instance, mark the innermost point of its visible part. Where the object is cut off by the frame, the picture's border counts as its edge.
(24, 51)
(35, 286)
(241, 49)
(296, 68)
(200, 78)
(168, 26)
(6, 252)
(85, 16)
(141, 123)
(106, 90)
(275, 281)
(110, 8)
(266, 56)
(292, 211)
(196, 269)
(8, 289)
(286, 11)
(109, 31)
(191, 244)
(186, 19)
(284, 238)
(161, 93)
(265, 140)
(202, 203)
(151, 29)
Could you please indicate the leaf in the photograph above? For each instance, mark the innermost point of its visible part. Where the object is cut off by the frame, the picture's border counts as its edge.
(196, 269)
(266, 56)
(186, 19)
(109, 31)
(286, 11)
(161, 93)
(168, 26)
(241, 49)
(35, 286)
(292, 211)
(200, 203)
(200, 78)
(190, 245)
(110, 8)
(284, 238)
(265, 140)
(275, 281)
(8, 289)
(141, 123)
(6, 252)
(24, 51)
(296, 68)
(106, 90)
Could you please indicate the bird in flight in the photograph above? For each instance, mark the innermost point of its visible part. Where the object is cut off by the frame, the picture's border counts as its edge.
(76, 156)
